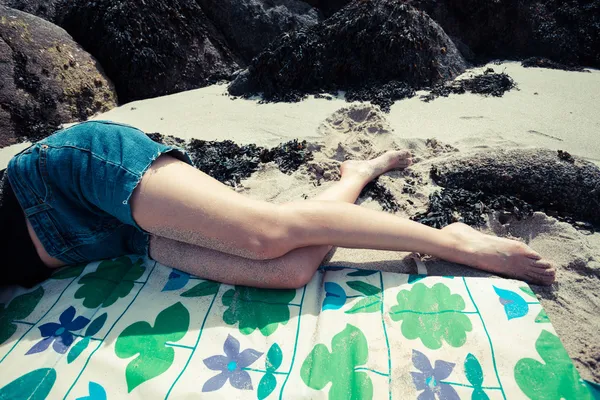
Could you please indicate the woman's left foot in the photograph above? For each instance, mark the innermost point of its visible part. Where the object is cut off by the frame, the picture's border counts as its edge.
(371, 169)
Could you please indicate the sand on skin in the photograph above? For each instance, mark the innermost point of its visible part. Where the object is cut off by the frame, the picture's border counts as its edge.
(562, 115)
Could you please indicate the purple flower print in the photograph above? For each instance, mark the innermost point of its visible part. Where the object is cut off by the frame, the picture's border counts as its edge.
(430, 380)
(231, 366)
(59, 333)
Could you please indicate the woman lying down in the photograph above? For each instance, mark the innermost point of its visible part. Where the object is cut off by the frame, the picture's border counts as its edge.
(101, 190)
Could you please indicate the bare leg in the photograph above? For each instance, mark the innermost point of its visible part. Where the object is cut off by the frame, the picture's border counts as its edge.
(176, 201)
(291, 270)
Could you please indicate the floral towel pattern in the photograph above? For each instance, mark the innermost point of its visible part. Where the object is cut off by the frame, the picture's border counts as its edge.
(132, 328)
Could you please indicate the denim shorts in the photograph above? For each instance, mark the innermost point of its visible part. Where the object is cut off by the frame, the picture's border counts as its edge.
(75, 185)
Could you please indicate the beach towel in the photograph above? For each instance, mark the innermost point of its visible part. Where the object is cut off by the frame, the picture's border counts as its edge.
(131, 328)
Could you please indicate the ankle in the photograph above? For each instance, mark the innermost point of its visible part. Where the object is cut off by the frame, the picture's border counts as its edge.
(356, 179)
(462, 249)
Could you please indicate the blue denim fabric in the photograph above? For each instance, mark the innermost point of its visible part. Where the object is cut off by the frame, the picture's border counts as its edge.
(74, 187)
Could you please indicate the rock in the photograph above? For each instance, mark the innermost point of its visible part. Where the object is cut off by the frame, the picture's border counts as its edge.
(45, 79)
(150, 48)
(45, 9)
(330, 7)
(566, 32)
(251, 25)
(366, 43)
(539, 177)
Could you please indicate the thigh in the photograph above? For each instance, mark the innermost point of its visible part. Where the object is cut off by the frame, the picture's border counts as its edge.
(177, 201)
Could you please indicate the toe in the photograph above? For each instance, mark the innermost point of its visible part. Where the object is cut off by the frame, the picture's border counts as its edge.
(541, 264)
(404, 154)
(544, 271)
(405, 163)
(546, 277)
(529, 252)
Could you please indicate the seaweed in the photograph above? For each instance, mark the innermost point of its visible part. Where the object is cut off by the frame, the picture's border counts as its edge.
(459, 205)
(382, 195)
(563, 155)
(383, 95)
(168, 140)
(488, 84)
(225, 161)
(288, 156)
(541, 62)
(229, 162)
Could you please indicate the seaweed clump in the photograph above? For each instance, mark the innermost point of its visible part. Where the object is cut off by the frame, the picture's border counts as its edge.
(382, 95)
(541, 62)
(288, 156)
(168, 140)
(488, 84)
(459, 205)
(563, 155)
(382, 195)
(229, 162)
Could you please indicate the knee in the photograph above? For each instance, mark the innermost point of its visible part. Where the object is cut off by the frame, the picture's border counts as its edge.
(271, 238)
(298, 278)
(290, 279)
(268, 245)
(291, 271)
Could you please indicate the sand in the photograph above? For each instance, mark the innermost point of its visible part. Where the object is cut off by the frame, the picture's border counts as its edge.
(552, 109)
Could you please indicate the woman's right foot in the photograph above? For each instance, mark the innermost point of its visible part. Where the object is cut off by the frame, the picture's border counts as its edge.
(502, 256)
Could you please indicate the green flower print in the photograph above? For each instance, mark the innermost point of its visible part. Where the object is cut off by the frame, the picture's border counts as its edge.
(555, 378)
(433, 315)
(253, 308)
(349, 349)
(151, 344)
(111, 281)
(34, 385)
(19, 308)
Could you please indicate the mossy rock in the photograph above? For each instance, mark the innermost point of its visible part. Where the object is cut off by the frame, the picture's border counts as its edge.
(554, 182)
(150, 48)
(46, 79)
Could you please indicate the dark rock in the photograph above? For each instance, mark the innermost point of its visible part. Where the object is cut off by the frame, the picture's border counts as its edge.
(45, 79)
(488, 84)
(560, 188)
(367, 43)
(45, 9)
(150, 48)
(330, 7)
(564, 31)
(249, 26)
